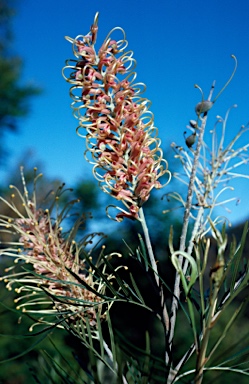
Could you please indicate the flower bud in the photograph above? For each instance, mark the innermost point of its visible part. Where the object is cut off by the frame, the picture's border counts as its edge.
(203, 107)
(193, 123)
(190, 140)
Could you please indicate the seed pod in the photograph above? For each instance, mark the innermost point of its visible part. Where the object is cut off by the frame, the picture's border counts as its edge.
(203, 107)
(190, 140)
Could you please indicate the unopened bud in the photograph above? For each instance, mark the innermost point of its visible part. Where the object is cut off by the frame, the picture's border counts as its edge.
(193, 123)
(190, 140)
(203, 107)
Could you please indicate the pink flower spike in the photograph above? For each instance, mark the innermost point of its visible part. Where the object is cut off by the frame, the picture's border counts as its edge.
(122, 139)
(56, 267)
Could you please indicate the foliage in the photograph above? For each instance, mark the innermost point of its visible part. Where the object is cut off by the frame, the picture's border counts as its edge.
(14, 97)
(128, 321)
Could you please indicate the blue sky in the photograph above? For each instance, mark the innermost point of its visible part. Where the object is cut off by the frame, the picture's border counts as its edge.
(176, 43)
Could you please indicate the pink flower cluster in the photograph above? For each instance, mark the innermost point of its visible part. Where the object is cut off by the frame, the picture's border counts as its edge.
(57, 265)
(44, 246)
(118, 126)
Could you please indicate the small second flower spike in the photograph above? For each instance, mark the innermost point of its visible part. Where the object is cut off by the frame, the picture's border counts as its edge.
(115, 119)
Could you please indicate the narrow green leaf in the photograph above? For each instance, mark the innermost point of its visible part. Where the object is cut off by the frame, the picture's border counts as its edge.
(60, 371)
(240, 354)
(119, 281)
(87, 286)
(138, 293)
(24, 352)
(146, 365)
(227, 327)
(143, 252)
(101, 339)
(112, 340)
(238, 256)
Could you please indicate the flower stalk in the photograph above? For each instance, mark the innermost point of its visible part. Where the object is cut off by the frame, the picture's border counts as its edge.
(186, 218)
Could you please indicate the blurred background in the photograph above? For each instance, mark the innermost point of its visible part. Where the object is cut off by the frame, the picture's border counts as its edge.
(176, 44)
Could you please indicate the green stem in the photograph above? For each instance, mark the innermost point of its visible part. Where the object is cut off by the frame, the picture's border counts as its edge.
(176, 296)
(201, 359)
(186, 218)
(165, 315)
(149, 246)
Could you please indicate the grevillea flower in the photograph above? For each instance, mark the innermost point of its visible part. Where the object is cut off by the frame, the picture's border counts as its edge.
(58, 279)
(118, 126)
